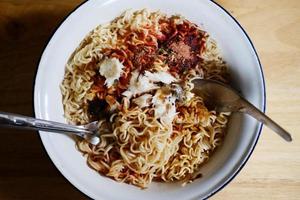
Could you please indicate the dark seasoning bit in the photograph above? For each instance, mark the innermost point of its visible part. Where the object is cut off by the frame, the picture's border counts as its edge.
(96, 108)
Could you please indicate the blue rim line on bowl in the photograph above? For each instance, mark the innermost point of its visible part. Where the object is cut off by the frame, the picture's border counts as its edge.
(264, 102)
(264, 97)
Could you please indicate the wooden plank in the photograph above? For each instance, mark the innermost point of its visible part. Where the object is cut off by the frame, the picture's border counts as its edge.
(273, 171)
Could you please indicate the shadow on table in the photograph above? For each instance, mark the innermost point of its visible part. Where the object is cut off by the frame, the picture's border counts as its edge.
(26, 172)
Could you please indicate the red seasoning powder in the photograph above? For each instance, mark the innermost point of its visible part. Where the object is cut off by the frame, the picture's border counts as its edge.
(183, 50)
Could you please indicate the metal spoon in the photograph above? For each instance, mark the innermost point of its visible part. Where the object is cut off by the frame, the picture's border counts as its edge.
(222, 98)
(88, 131)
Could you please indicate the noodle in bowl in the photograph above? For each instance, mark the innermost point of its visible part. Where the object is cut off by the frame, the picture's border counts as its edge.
(122, 74)
(146, 132)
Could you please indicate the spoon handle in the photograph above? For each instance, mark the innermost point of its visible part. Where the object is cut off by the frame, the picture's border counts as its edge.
(19, 121)
(260, 116)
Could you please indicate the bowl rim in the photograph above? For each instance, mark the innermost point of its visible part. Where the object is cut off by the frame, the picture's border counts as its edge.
(225, 183)
(264, 102)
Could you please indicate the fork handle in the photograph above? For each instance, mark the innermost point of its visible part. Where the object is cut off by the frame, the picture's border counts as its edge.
(23, 122)
(260, 116)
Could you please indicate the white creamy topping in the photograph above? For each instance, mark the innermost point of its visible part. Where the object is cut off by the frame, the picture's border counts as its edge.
(111, 69)
(164, 106)
(142, 101)
(139, 84)
(161, 76)
(169, 116)
(158, 104)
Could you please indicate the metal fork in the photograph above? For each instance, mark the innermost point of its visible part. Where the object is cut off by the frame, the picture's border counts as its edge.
(89, 131)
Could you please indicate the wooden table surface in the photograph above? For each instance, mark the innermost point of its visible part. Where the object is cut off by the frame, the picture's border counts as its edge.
(272, 172)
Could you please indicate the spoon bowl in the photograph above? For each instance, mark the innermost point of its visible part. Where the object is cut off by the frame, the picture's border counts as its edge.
(222, 98)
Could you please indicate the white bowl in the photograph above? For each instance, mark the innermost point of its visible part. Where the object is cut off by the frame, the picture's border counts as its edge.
(243, 133)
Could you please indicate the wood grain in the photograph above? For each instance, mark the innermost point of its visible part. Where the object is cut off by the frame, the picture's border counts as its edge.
(26, 172)
(272, 172)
